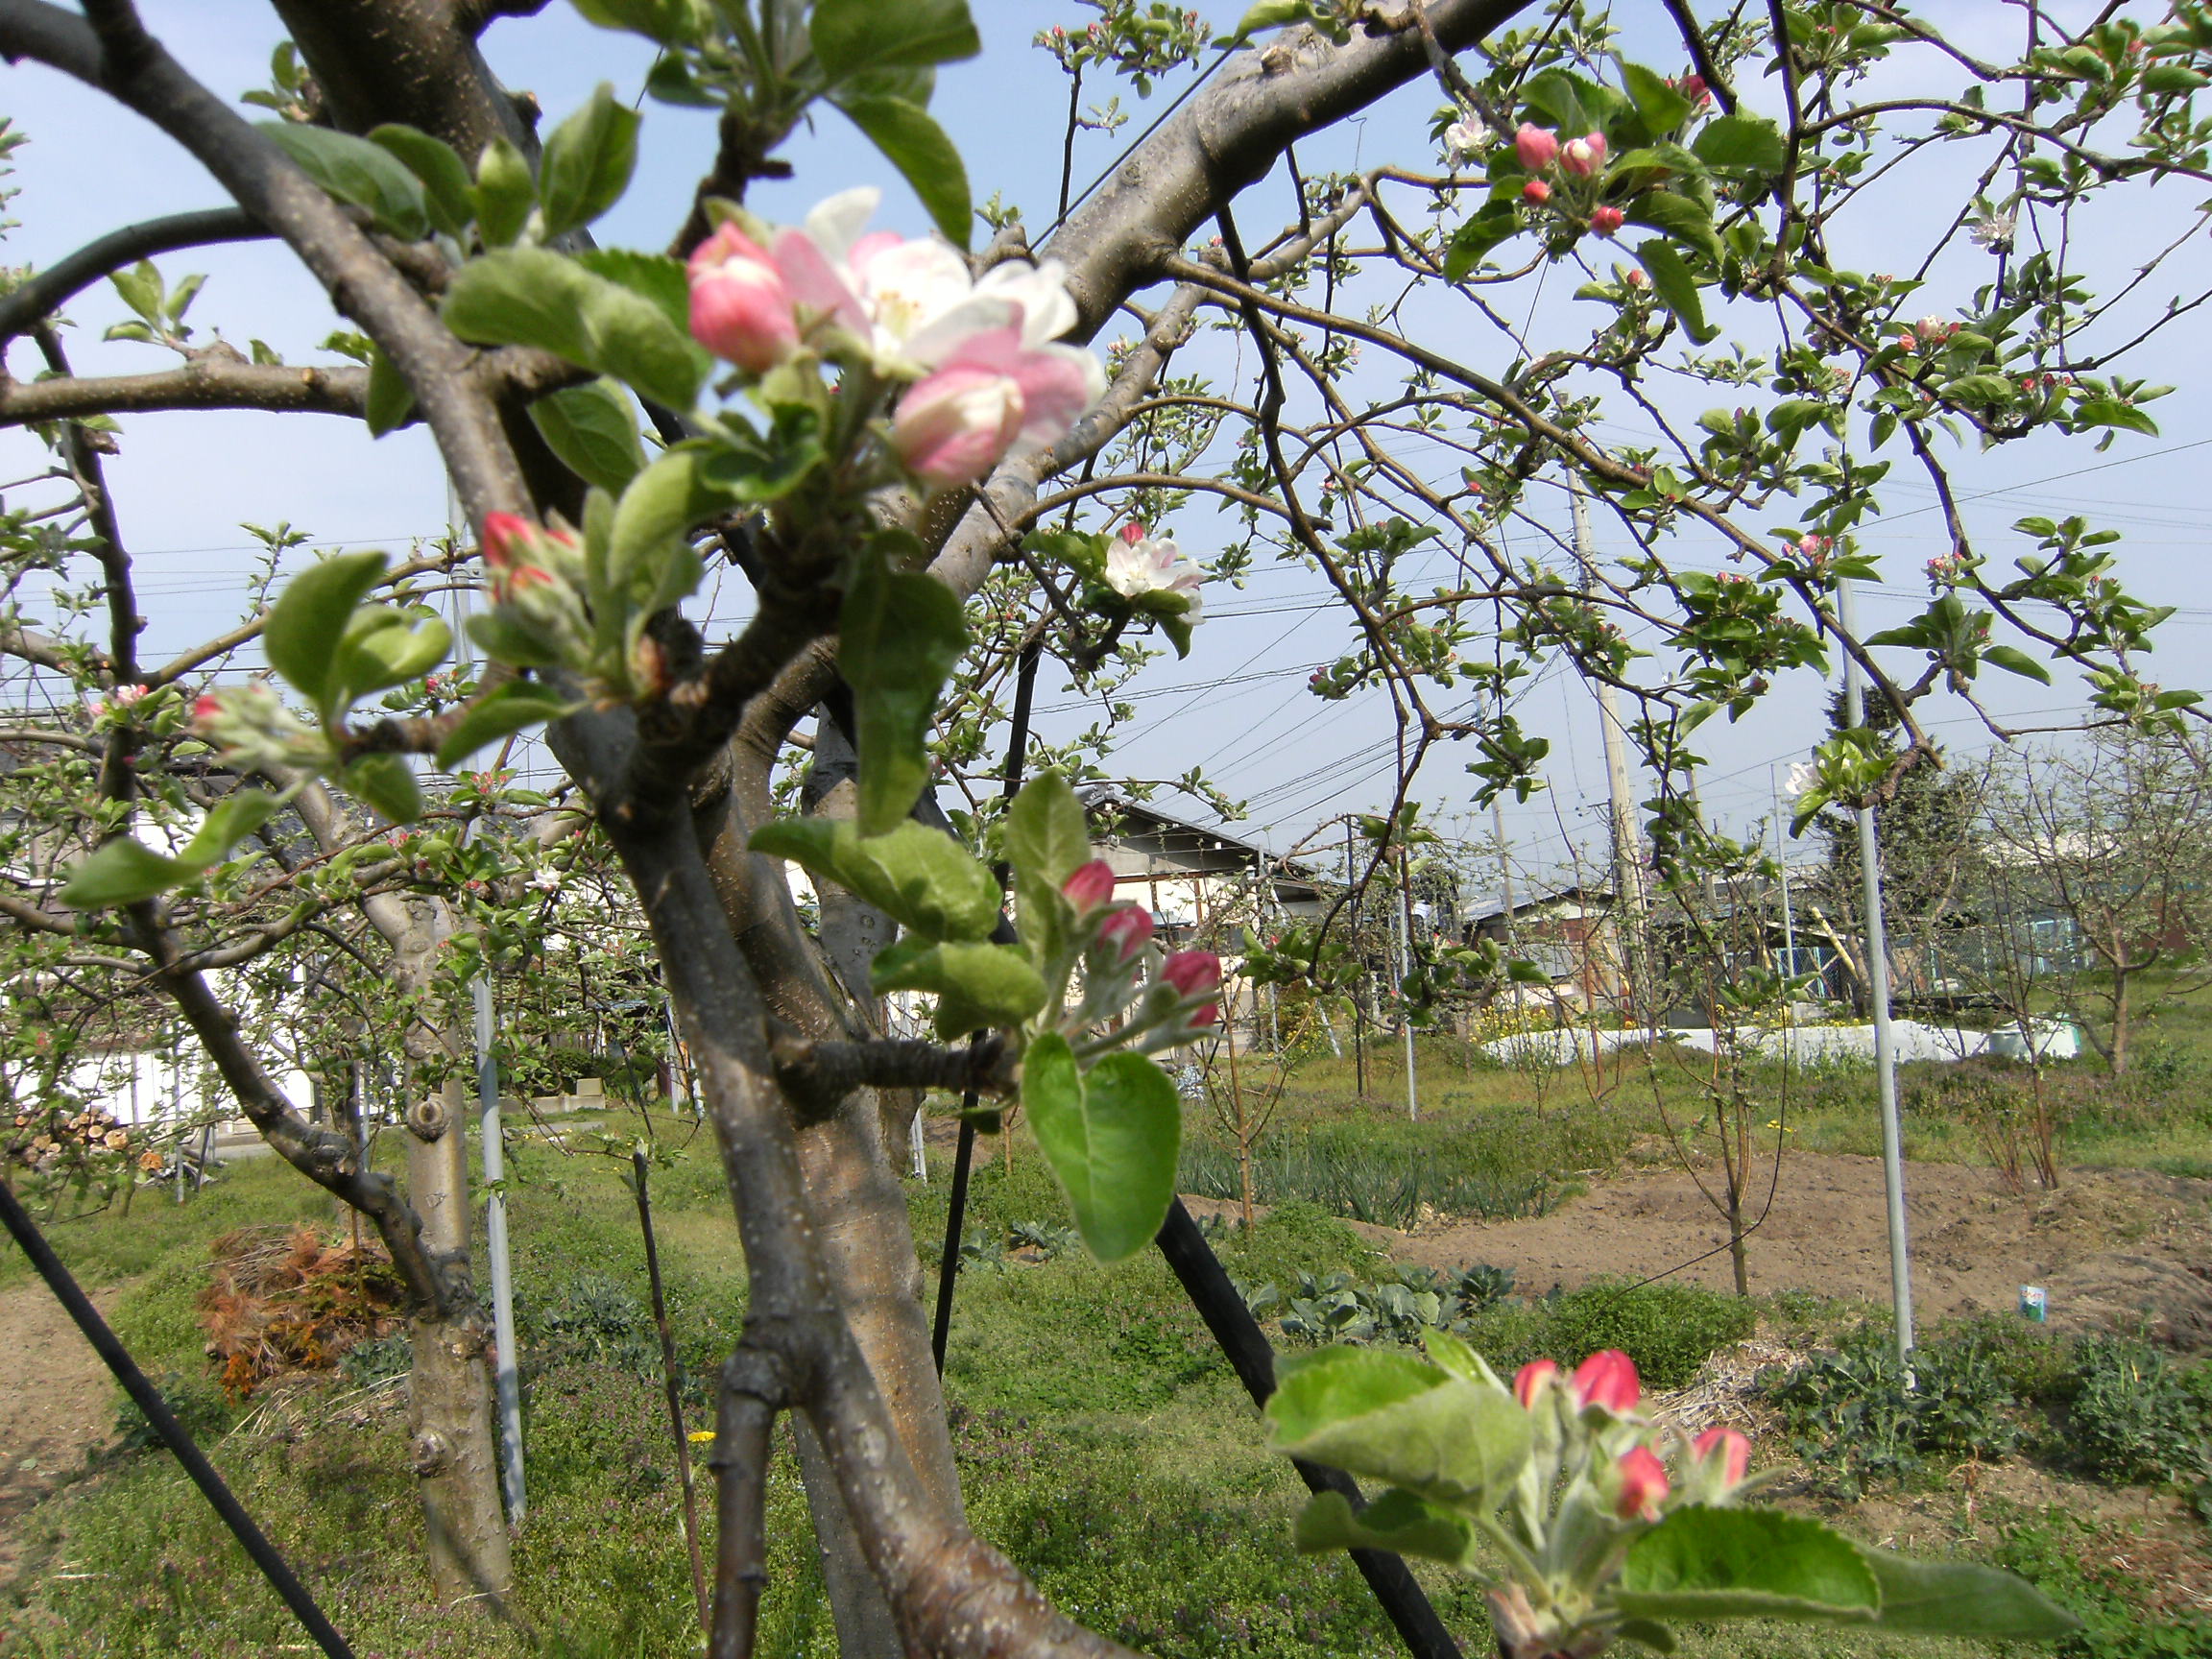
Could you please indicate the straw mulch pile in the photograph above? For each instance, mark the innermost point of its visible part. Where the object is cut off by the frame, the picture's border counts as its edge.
(285, 1301)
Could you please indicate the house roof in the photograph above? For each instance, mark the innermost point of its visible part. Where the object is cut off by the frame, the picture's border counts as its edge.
(1108, 806)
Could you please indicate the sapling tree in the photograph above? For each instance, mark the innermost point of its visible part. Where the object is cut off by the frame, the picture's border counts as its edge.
(908, 450)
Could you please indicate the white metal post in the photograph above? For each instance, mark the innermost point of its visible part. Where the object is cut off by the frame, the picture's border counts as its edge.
(1878, 991)
(507, 1380)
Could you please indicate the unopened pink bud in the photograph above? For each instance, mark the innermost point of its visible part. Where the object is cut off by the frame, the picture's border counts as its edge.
(1133, 532)
(740, 309)
(1538, 147)
(1584, 156)
(1642, 1484)
(208, 708)
(1533, 1379)
(1607, 220)
(1126, 930)
(1730, 1449)
(1607, 1379)
(952, 427)
(1090, 886)
(1193, 972)
(1535, 190)
(505, 535)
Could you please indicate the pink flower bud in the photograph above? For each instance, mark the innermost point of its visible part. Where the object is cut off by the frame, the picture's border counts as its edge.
(1637, 279)
(1090, 886)
(1606, 220)
(740, 309)
(207, 708)
(1201, 1017)
(1537, 147)
(1607, 1379)
(1642, 1484)
(505, 535)
(1533, 1379)
(1584, 156)
(952, 427)
(1126, 930)
(1535, 190)
(1193, 972)
(1726, 1449)
(1133, 532)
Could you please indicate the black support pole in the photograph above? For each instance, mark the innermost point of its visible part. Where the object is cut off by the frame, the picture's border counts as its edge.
(171, 1433)
(1240, 1337)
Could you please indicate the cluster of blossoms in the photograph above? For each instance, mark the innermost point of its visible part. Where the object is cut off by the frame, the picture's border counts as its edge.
(1928, 331)
(123, 697)
(1138, 563)
(1178, 1003)
(249, 727)
(1574, 161)
(981, 372)
(1600, 1473)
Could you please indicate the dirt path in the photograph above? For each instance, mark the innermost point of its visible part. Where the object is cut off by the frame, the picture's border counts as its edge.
(2107, 1247)
(57, 1404)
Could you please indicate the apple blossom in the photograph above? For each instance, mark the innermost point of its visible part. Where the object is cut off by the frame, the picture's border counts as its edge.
(1126, 932)
(1465, 137)
(1607, 1379)
(1642, 1484)
(1607, 219)
(1538, 147)
(741, 307)
(1535, 190)
(1193, 972)
(1155, 564)
(1725, 1452)
(1090, 886)
(1584, 156)
(953, 427)
(1533, 1379)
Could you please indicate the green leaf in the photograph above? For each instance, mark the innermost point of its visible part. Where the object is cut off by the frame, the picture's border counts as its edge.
(1671, 281)
(1399, 1521)
(301, 637)
(355, 170)
(509, 708)
(1112, 1137)
(1961, 1599)
(912, 141)
(123, 871)
(653, 276)
(386, 783)
(978, 986)
(1473, 241)
(1686, 220)
(382, 648)
(1404, 1419)
(588, 163)
(229, 822)
(1650, 1632)
(1662, 108)
(899, 634)
(652, 518)
(443, 177)
(503, 639)
(1704, 1563)
(505, 193)
(532, 297)
(916, 875)
(593, 428)
(391, 399)
(851, 36)
(141, 288)
(669, 22)
(1742, 143)
(2014, 660)
(1046, 833)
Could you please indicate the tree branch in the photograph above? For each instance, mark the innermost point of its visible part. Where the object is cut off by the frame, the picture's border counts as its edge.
(215, 381)
(42, 295)
(811, 1071)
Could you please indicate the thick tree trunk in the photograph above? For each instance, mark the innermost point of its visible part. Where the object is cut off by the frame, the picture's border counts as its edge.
(449, 1394)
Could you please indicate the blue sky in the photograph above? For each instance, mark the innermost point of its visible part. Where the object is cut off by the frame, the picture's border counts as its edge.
(186, 482)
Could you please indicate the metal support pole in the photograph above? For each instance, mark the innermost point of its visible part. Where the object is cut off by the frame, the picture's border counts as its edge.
(164, 1423)
(1359, 1037)
(1782, 858)
(1878, 991)
(1627, 849)
(507, 1379)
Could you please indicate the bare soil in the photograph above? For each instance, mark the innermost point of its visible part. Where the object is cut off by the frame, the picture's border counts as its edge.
(2112, 1248)
(57, 1404)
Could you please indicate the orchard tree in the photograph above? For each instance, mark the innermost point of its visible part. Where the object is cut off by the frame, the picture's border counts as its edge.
(909, 451)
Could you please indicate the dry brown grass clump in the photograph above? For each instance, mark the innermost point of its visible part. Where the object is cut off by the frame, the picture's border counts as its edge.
(286, 1300)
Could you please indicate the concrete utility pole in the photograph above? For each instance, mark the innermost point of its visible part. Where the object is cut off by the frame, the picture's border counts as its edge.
(1404, 971)
(1878, 990)
(1782, 858)
(1629, 895)
(1359, 964)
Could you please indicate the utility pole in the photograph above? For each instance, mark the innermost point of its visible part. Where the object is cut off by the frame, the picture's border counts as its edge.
(1360, 965)
(1404, 973)
(1781, 859)
(1878, 989)
(1627, 845)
